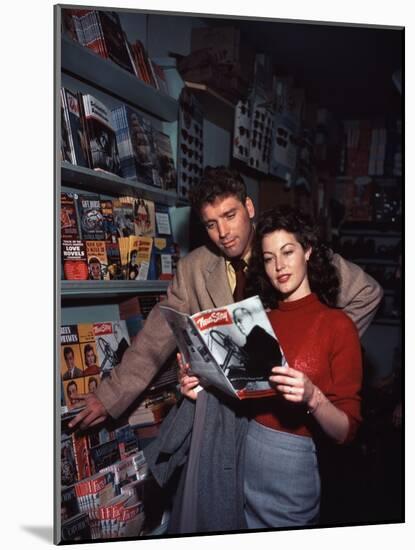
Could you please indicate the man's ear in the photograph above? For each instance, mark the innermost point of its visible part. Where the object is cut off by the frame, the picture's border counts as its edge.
(249, 205)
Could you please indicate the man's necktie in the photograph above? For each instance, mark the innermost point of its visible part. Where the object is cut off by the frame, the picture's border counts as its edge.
(239, 266)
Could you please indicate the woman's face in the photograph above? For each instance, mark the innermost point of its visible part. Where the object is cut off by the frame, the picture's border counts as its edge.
(285, 263)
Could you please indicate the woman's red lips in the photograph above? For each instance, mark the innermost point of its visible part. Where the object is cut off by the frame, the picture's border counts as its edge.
(283, 278)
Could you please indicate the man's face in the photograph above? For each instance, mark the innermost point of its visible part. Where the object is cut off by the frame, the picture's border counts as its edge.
(70, 360)
(229, 224)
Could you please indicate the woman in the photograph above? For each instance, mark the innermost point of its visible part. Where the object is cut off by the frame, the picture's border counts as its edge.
(317, 393)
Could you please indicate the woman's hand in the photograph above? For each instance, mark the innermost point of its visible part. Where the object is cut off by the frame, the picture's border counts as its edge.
(187, 383)
(294, 385)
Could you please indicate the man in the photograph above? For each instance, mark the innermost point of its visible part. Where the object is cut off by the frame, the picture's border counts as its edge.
(205, 279)
(72, 370)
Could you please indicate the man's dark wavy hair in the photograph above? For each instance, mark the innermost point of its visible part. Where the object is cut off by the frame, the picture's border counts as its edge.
(217, 182)
(322, 275)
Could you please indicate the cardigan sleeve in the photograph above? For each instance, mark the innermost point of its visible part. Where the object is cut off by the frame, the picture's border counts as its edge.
(346, 372)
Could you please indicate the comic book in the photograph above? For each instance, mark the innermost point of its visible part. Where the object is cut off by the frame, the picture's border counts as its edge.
(232, 347)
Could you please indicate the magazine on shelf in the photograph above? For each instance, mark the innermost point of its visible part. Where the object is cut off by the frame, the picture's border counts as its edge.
(232, 347)
(101, 135)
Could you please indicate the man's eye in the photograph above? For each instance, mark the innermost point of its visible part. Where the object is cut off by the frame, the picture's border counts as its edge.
(210, 225)
(230, 216)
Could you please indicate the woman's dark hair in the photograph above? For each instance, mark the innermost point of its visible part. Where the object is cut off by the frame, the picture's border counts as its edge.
(322, 275)
(217, 182)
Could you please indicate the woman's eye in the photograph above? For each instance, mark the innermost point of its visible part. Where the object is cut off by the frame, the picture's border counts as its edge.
(288, 252)
(267, 260)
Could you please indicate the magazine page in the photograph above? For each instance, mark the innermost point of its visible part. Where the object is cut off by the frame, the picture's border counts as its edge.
(195, 351)
(243, 343)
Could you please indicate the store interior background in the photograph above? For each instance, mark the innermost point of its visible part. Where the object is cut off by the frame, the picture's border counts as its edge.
(349, 70)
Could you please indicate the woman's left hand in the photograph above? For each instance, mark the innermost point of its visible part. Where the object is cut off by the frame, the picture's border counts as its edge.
(293, 384)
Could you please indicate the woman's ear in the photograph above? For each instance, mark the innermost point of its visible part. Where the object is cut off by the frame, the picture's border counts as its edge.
(308, 253)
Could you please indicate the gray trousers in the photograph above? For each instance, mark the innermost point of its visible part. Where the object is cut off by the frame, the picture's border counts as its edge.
(281, 481)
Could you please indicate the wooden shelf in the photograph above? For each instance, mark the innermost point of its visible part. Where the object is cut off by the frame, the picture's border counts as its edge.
(82, 63)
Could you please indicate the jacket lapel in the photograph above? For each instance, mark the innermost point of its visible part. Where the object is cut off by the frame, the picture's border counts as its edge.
(217, 283)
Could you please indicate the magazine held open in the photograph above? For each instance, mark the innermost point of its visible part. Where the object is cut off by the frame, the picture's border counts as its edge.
(232, 347)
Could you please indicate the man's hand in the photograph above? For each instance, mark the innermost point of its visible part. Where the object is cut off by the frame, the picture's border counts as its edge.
(93, 413)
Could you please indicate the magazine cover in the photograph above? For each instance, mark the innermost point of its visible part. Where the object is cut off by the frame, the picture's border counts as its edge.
(68, 466)
(96, 255)
(144, 218)
(101, 136)
(165, 160)
(114, 261)
(232, 348)
(66, 152)
(76, 135)
(71, 361)
(75, 266)
(139, 257)
(123, 213)
(112, 340)
(108, 223)
(135, 145)
(88, 349)
(69, 217)
(91, 218)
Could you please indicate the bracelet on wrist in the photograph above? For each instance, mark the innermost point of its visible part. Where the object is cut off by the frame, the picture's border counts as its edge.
(312, 408)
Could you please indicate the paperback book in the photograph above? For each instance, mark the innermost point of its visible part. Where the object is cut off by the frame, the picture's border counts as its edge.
(97, 260)
(90, 217)
(74, 262)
